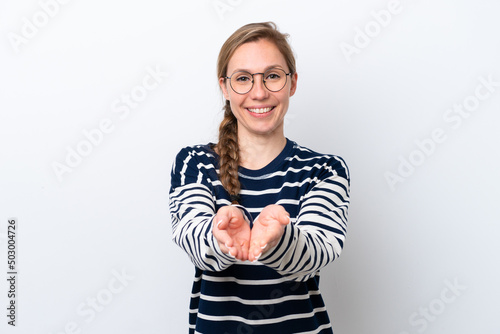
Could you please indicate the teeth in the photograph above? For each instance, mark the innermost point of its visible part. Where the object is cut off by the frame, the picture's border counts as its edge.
(260, 110)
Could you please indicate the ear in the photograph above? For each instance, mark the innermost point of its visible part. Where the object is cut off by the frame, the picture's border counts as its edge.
(294, 84)
(223, 87)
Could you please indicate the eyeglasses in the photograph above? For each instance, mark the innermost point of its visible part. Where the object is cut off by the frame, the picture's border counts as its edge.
(274, 80)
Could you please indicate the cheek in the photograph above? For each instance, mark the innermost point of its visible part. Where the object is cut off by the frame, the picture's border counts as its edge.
(235, 105)
(236, 100)
(284, 99)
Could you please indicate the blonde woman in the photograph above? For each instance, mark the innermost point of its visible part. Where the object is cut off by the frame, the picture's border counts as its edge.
(258, 214)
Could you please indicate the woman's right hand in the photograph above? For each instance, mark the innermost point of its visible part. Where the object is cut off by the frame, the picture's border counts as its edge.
(232, 232)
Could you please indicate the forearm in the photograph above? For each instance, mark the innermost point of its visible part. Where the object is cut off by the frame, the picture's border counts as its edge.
(192, 211)
(316, 237)
(301, 253)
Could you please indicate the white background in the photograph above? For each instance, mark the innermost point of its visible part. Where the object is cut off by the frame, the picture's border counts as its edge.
(437, 226)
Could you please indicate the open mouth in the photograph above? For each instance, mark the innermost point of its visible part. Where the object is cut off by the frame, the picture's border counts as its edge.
(260, 110)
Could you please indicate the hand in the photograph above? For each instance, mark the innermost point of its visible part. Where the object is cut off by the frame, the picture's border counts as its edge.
(232, 232)
(267, 230)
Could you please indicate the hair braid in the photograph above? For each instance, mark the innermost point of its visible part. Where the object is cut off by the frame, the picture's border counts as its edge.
(228, 151)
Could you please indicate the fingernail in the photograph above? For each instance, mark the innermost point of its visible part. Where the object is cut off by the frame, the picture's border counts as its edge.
(256, 258)
(220, 221)
(263, 246)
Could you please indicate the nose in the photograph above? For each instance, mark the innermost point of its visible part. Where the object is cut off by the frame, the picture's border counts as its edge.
(258, 91)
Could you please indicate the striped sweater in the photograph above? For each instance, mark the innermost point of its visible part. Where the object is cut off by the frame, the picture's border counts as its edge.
(280, 293)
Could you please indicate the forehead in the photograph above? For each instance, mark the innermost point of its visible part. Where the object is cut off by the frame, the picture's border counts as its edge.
(256, 56)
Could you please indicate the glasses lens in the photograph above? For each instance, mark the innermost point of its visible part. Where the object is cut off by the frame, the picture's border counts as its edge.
(275, 79)
(241, 82)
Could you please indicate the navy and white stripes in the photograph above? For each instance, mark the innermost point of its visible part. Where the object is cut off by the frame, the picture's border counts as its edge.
(280, 293)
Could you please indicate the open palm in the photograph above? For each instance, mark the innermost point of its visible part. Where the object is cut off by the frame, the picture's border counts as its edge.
(267, 230)
(232, 232)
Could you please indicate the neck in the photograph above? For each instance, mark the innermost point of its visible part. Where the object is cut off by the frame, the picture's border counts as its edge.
(258, 151)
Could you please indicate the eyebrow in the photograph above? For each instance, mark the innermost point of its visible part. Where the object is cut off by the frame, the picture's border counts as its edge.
(265, 69)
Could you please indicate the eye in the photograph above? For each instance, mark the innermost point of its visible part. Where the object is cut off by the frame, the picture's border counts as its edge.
(273, 76)
(243, 78)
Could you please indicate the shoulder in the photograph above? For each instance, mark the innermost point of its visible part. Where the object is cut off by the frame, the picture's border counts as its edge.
(303, 157)
(192, 159)
(197, 150)
(194, 154)
(195, 164)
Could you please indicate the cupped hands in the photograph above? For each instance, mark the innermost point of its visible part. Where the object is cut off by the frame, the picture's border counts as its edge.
(236, 238)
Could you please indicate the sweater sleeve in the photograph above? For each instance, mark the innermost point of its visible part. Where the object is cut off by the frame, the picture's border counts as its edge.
(316, 237)
(192, 209)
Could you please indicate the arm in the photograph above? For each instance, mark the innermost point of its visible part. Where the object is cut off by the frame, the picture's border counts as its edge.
(192, 208)
(317, 235)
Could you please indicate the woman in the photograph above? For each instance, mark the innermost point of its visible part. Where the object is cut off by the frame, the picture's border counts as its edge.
(258, 214)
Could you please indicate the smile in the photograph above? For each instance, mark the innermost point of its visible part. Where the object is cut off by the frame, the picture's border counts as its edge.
(260, 110)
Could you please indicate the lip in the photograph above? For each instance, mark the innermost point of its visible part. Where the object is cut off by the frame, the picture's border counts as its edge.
(260, 111)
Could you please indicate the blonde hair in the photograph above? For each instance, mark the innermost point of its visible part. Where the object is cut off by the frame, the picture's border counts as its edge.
(227, 146)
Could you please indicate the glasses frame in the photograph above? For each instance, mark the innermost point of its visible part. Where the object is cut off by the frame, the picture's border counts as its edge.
(263, 80)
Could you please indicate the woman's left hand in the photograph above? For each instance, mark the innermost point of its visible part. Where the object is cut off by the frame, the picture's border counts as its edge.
(267, 230)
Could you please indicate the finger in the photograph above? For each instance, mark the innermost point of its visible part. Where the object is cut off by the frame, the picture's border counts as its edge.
(285, 220)
(257, 257)
(236, 219)
(238, 255)
(224, 249)
(254, 256)
(258, 239)
(281, 215)
(221, 221)
(225, 243)
(244, 250)
(223, 238)
(256, 252)
(232, 252)
(256, 249)
(239, 249)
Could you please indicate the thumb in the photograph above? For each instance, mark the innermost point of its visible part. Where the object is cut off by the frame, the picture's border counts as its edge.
(285, 219)
(222, 219)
